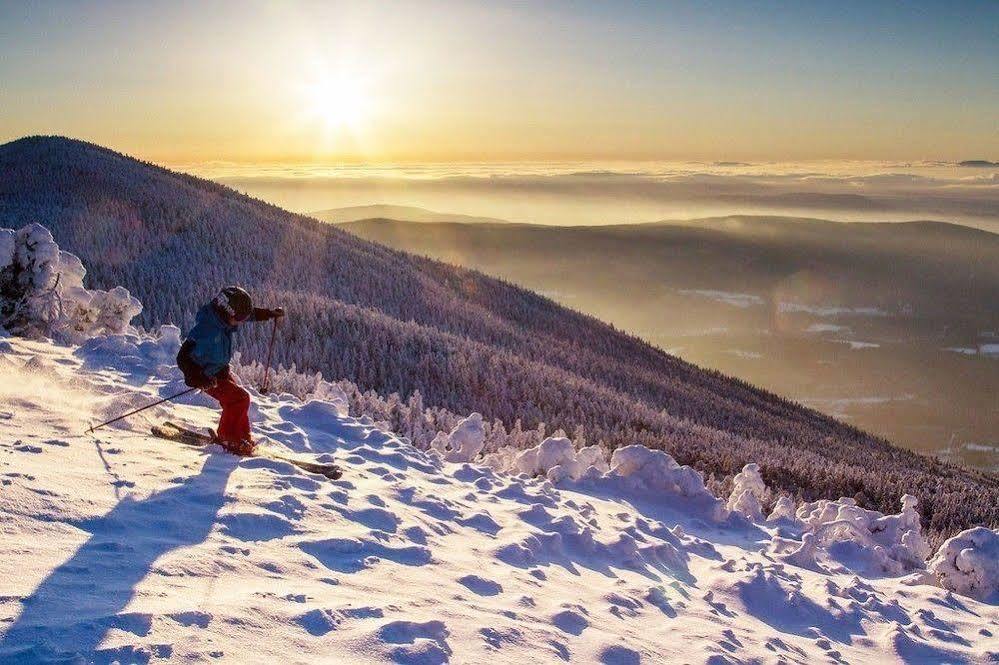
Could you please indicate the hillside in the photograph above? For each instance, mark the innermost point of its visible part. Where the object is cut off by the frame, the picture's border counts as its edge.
(119, 547)
(397, 323)
(875, 323)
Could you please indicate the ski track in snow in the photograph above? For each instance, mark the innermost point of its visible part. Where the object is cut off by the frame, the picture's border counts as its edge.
(122, 547)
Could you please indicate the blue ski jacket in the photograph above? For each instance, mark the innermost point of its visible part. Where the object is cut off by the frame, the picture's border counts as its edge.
(212, 337)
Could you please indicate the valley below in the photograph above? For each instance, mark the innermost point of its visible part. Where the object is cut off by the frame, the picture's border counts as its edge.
(893, 328)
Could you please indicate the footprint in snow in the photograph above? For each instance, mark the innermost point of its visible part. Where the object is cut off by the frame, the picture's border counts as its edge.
(373, 518)
(496, 638)
(481, 522)
(132, 653)
(191, 618)
(350, 555)
(415, 534)
(480, 585)
(363, 612)
(623, 606)
(422, 643)
(321, 621)
(619, 655)
(318, 622)
(250, 527)
(561, 650)
(570, 622)
(657, 596)
(287, 505)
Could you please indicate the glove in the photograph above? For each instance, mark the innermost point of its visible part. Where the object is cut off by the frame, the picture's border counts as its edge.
(262, 314)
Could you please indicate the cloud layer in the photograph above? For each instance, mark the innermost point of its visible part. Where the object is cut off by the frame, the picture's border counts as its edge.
(625, 193)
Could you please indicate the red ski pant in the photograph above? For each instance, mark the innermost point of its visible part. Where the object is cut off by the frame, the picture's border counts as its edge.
(234, 425)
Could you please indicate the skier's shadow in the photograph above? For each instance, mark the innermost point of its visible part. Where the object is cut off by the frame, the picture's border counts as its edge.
(72, 609)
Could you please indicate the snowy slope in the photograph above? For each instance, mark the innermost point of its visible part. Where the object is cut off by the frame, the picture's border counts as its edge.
(122, 547)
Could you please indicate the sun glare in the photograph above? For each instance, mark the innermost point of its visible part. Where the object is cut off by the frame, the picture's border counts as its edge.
(338, 102)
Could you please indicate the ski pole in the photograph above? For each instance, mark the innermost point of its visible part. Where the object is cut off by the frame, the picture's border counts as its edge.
(270, 352)
(141, 408)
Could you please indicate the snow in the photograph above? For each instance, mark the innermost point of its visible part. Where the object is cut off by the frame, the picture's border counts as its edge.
(121, 547)
(653, 472)
(556, 458)
(968, 563)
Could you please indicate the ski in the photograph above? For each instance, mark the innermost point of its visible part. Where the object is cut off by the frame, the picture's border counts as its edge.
(173, 432)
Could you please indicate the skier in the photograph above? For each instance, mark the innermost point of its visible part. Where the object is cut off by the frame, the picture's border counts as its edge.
(204, 359)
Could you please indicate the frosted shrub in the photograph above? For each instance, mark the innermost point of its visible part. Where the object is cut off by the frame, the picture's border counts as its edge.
(968, 563)
(895, 541)
(465, 441)
(42, 293)
(783, 509)
(748, 493)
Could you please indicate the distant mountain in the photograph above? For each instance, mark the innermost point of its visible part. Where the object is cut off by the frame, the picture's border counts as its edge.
(940, 270)
(394, 322)
(402, 213)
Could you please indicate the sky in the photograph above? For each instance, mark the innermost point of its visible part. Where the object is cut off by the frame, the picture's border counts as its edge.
(448, 81)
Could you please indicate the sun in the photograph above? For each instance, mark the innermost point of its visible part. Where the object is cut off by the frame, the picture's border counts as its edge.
(338, 102)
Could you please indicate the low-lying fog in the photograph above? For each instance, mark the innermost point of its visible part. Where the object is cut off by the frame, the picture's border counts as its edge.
(572, 194)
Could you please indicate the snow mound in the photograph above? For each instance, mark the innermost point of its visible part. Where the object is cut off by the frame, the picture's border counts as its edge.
(133, 350)
(748, 492)
(557, 459)
(464, 442)
(655, 471)
(656, 474)
(968, 563)
(42, 293)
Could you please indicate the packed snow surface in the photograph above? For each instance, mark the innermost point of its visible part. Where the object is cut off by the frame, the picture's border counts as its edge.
(119, 547)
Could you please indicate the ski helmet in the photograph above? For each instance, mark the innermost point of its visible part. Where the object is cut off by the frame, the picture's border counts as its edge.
(235, 302)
